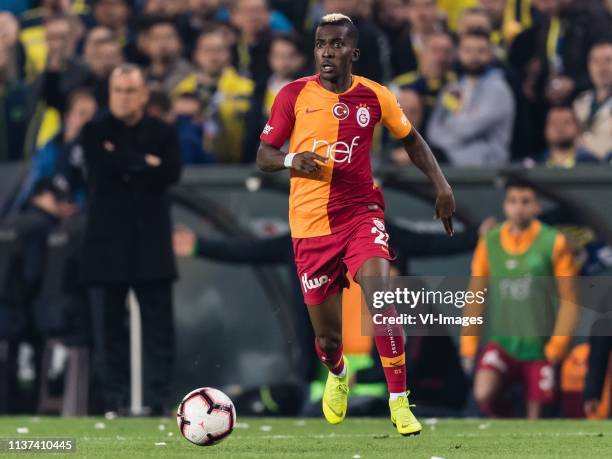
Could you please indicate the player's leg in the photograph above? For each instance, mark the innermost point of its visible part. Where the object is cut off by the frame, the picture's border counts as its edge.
(495, 371)
(539, 383)
(372, 275)
(326, 319)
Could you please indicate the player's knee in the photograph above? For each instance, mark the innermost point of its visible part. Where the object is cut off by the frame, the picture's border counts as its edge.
(329, 343)
(483, 393)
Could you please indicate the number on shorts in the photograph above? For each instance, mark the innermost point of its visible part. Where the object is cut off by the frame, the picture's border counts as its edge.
(547, 378)
(381, 238)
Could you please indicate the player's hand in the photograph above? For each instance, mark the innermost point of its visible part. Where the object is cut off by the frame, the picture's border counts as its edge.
(184, 241)
(445, 208)
(590, 407)
(306, 162)
(487, 225)
(152, 160)
(467, 363)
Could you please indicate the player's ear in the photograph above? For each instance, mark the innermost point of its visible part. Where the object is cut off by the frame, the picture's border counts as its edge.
(356, 54)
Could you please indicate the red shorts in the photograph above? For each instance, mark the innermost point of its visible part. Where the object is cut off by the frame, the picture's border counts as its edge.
(537, 376)
(323, 262)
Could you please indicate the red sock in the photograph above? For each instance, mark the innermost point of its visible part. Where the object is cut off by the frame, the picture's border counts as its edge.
(332, 360)
(390, 344)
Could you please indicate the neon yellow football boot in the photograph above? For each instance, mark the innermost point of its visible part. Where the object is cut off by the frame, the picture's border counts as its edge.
(335, 397)
(402, 418)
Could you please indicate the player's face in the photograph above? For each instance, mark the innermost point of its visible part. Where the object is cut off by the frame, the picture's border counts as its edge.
(334, 52)
(521, 206)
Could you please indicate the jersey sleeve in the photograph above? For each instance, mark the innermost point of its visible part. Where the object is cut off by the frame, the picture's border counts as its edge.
(564, 263)
(480, 261)
(392, 117)
(282, 118)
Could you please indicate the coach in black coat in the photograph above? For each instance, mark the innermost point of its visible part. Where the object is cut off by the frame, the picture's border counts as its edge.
(130, 161)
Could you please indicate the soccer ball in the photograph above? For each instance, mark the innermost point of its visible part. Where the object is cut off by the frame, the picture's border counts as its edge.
(206, 416)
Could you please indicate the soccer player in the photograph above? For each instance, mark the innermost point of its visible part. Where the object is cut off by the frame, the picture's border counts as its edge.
(512, 261)
(336, 213)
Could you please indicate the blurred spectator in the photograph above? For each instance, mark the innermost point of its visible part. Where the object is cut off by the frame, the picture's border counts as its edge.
(131, 160)
(187, 111)
(508, 19)
(163, 48)
(169, 9)
(424, 19)
(390, 16)
(452, 10)
(102, 53)
(33, 30)
(472, 122)
(434, 72)
(115, 15)
(287, 61)
(561, 136)
(63, 154)
(63, 72)
(594, 107)
(13, 110)
(201, 15)
(224, 93)
(563, 38)
(9, 40)
(252, 19)
(475, 18)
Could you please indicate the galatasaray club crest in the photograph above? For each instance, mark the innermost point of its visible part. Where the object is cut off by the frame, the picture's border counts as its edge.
(340, 111)
(363, 115)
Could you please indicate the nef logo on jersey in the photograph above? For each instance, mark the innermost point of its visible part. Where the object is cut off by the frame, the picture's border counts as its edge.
(339, 152)
(340, 111)
(311, 284)
(267, 129)
(363, 115)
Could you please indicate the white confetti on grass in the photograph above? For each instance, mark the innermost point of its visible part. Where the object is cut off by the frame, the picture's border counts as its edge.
(430, 421)
(265, 428)
(35, 419)
(484, 425)
(110, 415)
(161, 443)
(436, 457)
(170, 434)
(120, 438)
(356, 456)
(300, 423)
(23, 430)
(99, 425)
(161, 427)
(241, 425)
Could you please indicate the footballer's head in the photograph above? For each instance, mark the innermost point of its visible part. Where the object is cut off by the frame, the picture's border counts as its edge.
(336, 46)
(521, 203)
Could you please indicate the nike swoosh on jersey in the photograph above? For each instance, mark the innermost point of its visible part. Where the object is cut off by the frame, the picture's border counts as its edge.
(308, 110)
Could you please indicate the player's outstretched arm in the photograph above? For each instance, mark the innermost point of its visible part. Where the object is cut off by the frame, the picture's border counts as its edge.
(271, 159)
(422, 157)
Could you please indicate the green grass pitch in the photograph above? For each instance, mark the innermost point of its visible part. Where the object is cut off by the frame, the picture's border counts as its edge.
(313, 438)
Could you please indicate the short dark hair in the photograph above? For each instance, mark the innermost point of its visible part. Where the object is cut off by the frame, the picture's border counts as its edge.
(290, 38)
(148, 22)
(519, 182)
(338, 19)
(476, 33)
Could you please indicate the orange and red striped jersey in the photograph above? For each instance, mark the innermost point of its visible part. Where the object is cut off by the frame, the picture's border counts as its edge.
(339, 127)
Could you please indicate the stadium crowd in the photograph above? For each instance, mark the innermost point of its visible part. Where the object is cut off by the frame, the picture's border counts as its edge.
(487, 83)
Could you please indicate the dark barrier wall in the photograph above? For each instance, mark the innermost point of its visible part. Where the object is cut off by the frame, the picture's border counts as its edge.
(231, 327)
